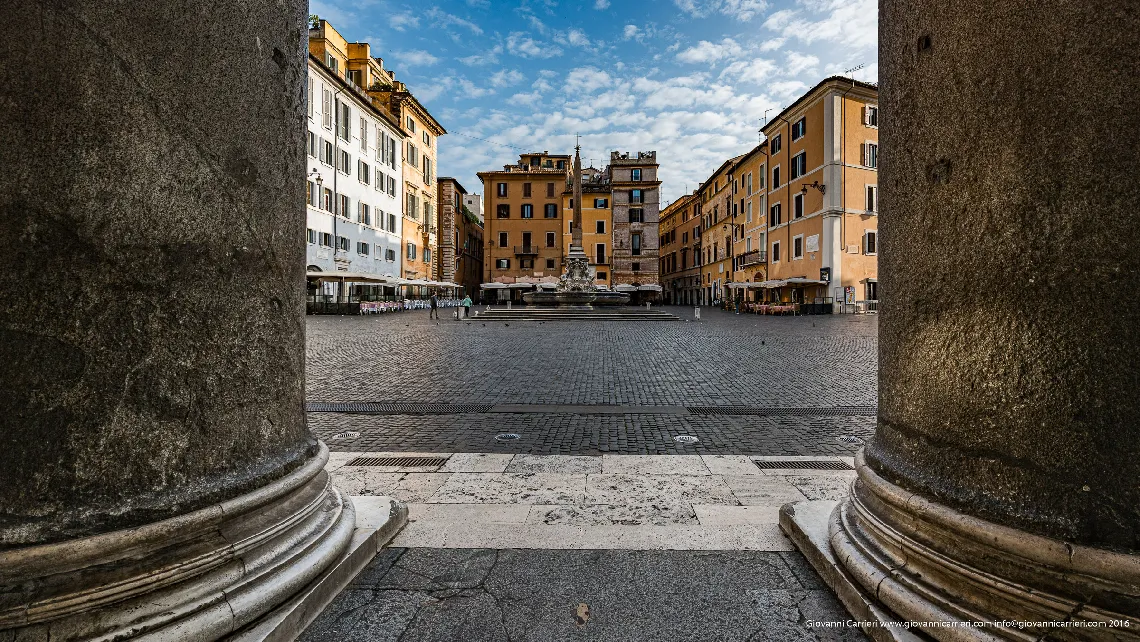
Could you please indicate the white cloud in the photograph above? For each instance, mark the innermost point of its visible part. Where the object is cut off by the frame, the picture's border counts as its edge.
(787, 88)
(586, 80)
(489, 58)
(479, 4)
(506, 78)
(743, 10)
(414, 58)
(849, 23)
(709, 52)
(773, 44)
(756, 71)
(519, 44)
(799, 63)
(601, 4)
(404, 20)
(630, 31)
(443, 19)
(469, 89)
(578, 38)
(528, 98)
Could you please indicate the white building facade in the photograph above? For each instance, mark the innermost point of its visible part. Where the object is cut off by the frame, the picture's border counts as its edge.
(355, 183)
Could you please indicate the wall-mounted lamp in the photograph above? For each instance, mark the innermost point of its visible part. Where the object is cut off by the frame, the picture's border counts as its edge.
(814, 184)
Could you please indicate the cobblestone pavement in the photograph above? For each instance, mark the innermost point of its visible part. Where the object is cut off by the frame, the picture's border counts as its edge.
(723, 360)
(479, 595)
(574, 434)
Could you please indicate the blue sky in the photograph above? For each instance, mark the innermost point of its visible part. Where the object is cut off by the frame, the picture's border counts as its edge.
(691, 79)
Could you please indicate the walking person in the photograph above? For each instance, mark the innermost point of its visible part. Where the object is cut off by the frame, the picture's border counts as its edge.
(466, 306)
(434, 307)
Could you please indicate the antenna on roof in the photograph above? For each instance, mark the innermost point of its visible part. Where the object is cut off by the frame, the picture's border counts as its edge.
(851, 71)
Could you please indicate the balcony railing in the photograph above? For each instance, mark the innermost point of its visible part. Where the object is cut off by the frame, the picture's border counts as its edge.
(753, 257)
(526, 250)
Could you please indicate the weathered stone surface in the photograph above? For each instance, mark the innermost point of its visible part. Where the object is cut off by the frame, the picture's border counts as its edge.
(1008, 342)
(151, 260)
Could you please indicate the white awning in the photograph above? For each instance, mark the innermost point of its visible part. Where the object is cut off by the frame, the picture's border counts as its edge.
(802, 281)
(493, 286)
(414, 282)
(625, 287)
(520, 286)
(775, 283)
(649, 288)
(603, 287)
(449, 284)
(349, 277)
(548, 286)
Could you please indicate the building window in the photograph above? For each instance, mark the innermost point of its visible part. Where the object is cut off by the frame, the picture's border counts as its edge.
(427, 170)
(798, 206)
(344, 125)
(363, 135)
(326, 239)
(502, 210)
(427, 139)
(601, 276)
(526, 190)
(775, 251)
(870, 155)
(560, 165)
(635, 244)
(326, 152)
(600, 253)
(313, 145)
(798, 247)
(871, 116)
(748, 184)
(411, 251)
(391, 187)
(799, 165)
(635, 196)
(774, 145)
(550, 190)
(326, 109)
(342, 243)
(502, 239)
(775, 177)
(870, 242)
(600, 227)
(411, 125)
(363, 214)
(550, 239)
(550, 264)
(503, 264)
(501, 189)
(799, 128)
(637, 215)
(550, 210)
(363, 172)
(427, 255)
(312, 235)
(774, 216)
(636, 267)
(600, 203)
(526, 264)
(413, 155)
(344, 205)
(362, 248)
(635, 174)
(390, 255)
(345, 165)
(872, 198)
(527, 210)
(748, 213)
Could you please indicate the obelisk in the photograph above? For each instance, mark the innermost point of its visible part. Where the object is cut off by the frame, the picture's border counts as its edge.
(576, 231)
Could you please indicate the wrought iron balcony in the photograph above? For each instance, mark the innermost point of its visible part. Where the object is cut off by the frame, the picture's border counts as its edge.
(526, 250)
(753, 257)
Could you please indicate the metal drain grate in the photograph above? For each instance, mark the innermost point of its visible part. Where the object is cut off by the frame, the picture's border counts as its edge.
(402, 462)
(507, 436)
(813, 464)
(378, 408)
(348, 434)
(838, 411)
(852, 439)
(685, 439)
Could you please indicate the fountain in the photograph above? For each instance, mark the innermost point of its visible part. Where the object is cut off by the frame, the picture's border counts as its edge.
(576, 289)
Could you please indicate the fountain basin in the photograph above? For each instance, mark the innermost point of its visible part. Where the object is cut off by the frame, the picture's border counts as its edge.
(576, 299)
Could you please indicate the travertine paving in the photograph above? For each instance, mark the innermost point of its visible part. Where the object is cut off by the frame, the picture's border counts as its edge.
(659, 502)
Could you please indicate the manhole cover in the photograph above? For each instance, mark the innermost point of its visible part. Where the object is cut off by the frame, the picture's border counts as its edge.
(507, 436)
(851, 439)
(348, 434)
(685, 439)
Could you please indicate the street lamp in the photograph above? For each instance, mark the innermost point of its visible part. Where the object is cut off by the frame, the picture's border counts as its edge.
(814, 185)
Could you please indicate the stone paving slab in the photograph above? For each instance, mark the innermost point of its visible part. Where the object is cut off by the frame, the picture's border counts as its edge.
(526, 595)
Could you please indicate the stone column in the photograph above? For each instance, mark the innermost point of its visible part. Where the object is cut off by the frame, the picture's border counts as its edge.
(157, 473)
(1003, 481)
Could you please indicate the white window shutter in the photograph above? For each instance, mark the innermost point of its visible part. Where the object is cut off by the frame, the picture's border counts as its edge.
(866, 115)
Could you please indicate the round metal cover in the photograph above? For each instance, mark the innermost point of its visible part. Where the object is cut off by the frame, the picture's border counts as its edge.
(685, 439)
(851, 439)
(348, 434)
(507, 436)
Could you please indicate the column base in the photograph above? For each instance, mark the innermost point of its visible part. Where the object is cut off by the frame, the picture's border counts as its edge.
(205, 575)
(892, 556)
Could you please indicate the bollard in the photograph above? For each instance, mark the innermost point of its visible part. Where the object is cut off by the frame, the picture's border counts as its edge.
(508, 305)
(697, 312)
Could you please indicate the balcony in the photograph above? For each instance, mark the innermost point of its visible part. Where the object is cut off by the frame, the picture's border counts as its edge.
(754, 257)
(526, 250)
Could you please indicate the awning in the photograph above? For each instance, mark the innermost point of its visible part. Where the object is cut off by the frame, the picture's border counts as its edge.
(520, 286)
(802, 281)
(349, 277)
(548, 286)
(649, 288)
(775, 283)
(493, 286)
(625, 287)
(449, 284)
(414, 282)
(603, 287)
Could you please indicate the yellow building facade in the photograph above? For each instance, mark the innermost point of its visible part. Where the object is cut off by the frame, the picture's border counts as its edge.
(716, 197)
(597, 224)
(822, 194)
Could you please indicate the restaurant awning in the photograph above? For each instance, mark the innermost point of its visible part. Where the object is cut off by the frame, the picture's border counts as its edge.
(625, 287)
(649, 288)
(802, 281)
(493, 286)
(520, 286)
(774, 283)
(548, 286)
(349, 277)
